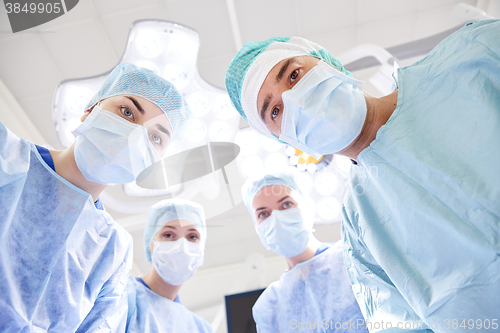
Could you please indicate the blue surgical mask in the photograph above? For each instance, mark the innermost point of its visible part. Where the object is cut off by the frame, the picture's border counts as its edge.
(324, 112)
(286, 232)
(111, 150)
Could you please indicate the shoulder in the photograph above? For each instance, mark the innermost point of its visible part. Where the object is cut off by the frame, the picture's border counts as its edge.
(14, 156)
(202, 324)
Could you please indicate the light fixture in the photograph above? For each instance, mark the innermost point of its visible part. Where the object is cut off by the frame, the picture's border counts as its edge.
(321, 182)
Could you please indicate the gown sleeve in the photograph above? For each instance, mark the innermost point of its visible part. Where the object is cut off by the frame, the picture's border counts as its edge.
(109, 313)
(14, 156)
(378, 298)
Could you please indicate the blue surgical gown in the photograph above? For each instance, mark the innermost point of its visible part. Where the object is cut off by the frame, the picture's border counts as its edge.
(63, 263)
(314, 296)
(421, 216)
(150, 312)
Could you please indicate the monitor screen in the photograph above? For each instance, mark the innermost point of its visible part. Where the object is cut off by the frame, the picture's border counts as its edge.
(239, 311)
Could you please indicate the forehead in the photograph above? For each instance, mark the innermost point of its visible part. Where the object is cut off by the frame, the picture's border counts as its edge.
(269, 195)
(153, 115)
(180, 225)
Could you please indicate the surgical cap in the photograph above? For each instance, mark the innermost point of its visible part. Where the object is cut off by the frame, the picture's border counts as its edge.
(287, 177)
(128, 79)
(171, 210)
(254, 61)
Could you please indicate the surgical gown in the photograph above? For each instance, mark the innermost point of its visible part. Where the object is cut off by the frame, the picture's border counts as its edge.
(421, 216)
(150, 312)
(314, 296)
(63, 263)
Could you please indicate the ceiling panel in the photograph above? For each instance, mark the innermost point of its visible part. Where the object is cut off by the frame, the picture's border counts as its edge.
(110, 7)
(370, 10)
(117, 24)
(81, 13)
(210, 19)
(26, 66)
(262, 19)
(39, 109)
(336, 41)
(81, 50)
(435, 19)
(388, 32)
(428, 4)
(213, 70)
(318, 16)
(5, 30)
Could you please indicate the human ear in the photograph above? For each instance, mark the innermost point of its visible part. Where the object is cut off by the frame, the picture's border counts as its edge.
(86, 114)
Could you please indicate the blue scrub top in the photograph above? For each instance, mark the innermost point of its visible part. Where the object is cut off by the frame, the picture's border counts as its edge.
(47, 158)
(176, 300)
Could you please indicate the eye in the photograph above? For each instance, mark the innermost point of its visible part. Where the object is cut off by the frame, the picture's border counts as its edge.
(193, 237)
(275, 112)
(263, 215)
(287, 205)
(127, 112)
(294, 75)
(156, 139)
(168, 235)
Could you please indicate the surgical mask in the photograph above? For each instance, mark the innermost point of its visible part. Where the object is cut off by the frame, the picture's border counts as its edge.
(324, 112)
(176, 261)
(111, 150)
(286, 232)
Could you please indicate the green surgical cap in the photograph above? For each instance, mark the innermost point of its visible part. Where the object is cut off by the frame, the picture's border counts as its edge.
(279, 48)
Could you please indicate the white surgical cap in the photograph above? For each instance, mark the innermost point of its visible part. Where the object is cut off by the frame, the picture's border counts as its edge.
(171, 210)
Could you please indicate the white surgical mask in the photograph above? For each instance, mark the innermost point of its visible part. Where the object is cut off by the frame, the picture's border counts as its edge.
(111, 150)
(176, 261)
(286, 232)
(324, 112)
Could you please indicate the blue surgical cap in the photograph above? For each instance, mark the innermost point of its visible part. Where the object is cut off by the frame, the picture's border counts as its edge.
(281, 48)
(129, 79)
(252, 186)
(171, 210)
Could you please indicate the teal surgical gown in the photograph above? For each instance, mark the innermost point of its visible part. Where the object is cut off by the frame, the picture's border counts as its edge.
(421, 217)
(152, 313)
(314, 296)
(63, 263)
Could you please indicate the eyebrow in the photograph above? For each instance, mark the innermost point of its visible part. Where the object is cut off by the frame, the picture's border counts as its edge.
(284, 68)
(137, 104)
(280, 200)
(285, 197)
(264, 107)
(282, 72)
(163, 129)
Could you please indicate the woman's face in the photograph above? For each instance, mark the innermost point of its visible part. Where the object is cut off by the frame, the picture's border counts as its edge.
(140, 111)
(273, 197)
(177, 229)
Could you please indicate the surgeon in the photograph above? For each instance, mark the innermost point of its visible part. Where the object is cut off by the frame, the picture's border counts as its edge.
(315, 288)
(174, 241)
(421, 215)
(64, 262)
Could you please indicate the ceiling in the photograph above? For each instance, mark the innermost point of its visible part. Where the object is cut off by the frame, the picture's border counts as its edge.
(90, 40)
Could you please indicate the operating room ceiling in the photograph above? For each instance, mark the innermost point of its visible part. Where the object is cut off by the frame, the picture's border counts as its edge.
(90, 39)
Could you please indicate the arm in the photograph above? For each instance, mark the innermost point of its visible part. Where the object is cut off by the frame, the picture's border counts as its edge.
(379, 300)
(109, 313)
(14, 156)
